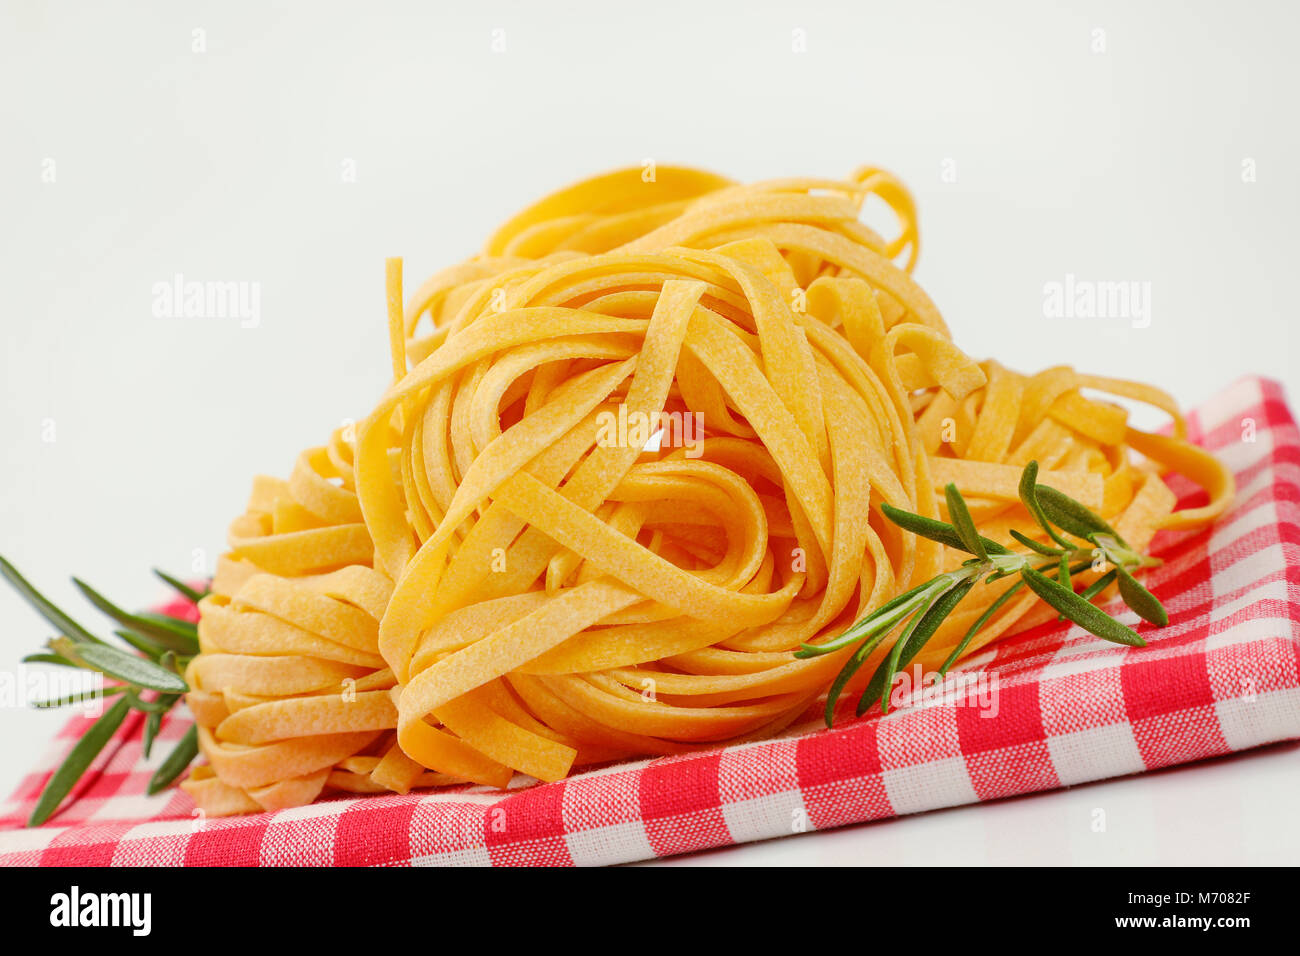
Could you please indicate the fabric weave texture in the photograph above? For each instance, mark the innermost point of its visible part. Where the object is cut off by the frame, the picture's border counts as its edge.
(1048, 708)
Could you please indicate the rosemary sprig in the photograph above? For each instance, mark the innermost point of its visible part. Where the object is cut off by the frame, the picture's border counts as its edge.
(1046, 569)
(148, 680)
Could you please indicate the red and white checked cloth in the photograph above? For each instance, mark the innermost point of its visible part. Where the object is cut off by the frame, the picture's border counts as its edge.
(1069, 708)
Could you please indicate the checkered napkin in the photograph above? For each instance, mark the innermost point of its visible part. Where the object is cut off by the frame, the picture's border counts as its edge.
(1048, 708)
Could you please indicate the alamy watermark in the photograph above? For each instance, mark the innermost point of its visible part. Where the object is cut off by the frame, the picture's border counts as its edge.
(183, 298)
(651, 431)
(133, 911)
(30, 686)
(1077, 298)
(920, 688)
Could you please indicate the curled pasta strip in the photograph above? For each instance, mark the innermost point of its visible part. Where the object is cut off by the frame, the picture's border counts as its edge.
(631, 458)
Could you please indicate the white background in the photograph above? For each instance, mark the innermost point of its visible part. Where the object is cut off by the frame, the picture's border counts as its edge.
(1120, 164)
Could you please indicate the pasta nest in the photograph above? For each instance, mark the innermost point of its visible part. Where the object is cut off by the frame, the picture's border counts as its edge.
(632, 457)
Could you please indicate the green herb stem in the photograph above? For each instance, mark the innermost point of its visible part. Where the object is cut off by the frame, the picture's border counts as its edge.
(1047, 570)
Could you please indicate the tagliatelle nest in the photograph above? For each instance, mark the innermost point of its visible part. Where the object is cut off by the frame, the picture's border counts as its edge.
(499, 575)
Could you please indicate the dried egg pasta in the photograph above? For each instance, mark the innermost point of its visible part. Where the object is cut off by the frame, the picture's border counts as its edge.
(502, 575)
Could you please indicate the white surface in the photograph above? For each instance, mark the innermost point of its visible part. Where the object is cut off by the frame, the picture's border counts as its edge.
(227, 165)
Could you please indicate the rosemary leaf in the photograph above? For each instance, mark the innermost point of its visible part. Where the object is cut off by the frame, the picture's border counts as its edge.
(78, 698)
(1036, 546)
(174, 624)
(130, 668)
(882, 680)
(81, 757)
(180, 587)
(57, 659)
(975, 628)
(176, 761)
(851, 667)
(1073, 516)
(159, 705)
(959, 514)
(151, 725)
(1029, 497)
(1090, 618)
(54, 615)
(167, 634)
(866, 627)
(935, 530)
(1137, 597)
(1063, 576)
(909, 644)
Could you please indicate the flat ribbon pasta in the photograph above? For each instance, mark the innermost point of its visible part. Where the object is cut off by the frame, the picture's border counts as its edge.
(631, 458)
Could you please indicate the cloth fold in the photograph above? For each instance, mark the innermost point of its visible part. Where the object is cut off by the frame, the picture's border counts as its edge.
(1047, 708)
